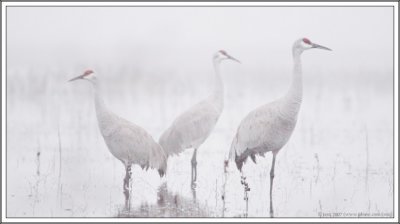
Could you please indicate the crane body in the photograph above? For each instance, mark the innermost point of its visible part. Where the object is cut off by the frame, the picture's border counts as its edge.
(269, 127)
(126, 141)
(192, 128)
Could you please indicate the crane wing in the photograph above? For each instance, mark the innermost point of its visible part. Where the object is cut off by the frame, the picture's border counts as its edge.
(258, 133)
(132, 144)
(190, 129)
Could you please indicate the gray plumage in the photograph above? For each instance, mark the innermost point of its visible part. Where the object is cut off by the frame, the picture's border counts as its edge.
(126, 141)
(192, 128)
(269, 127)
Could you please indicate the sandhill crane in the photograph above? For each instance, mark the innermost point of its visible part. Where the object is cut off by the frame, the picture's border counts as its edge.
(192, 128)
(128, 142)
(269, 127)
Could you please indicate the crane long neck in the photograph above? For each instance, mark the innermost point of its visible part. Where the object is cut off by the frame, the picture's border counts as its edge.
(296, 88)
(101, 109)
(218, 94)
(294, 96)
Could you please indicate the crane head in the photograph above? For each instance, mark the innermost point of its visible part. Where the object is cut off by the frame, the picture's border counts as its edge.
(305, 44)
(222, 55)
(87, 75)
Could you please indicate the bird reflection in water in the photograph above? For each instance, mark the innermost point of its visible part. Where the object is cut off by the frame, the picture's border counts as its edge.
(193, 187)
(168, 204)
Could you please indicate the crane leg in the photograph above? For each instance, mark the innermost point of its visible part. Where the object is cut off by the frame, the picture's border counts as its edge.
(194, 165)
(193, 187)
(271, 175)
(246, 189)
(127, 185)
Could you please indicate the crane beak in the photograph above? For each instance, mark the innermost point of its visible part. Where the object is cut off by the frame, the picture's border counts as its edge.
(76, 78)
(234, 59)
(320, 47)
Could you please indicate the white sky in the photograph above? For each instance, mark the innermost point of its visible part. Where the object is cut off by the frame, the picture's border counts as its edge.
(361, 37)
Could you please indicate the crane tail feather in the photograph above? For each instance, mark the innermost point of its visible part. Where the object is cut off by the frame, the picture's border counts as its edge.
(239, 160)
(253, 157)
(161, 172)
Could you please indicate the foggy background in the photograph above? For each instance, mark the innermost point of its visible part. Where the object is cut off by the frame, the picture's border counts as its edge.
(154, 63)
